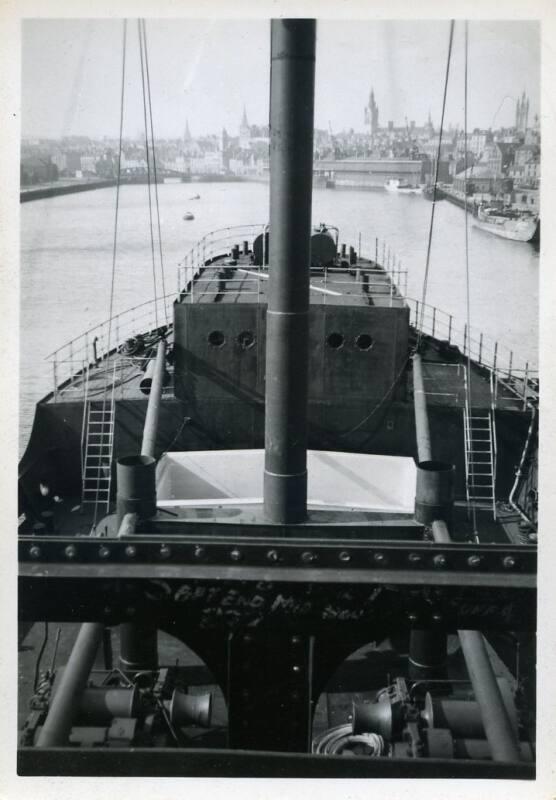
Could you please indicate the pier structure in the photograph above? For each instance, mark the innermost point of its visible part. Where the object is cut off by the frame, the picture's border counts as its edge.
(365, 173)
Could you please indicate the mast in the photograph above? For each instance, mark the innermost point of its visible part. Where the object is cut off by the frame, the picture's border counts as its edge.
(292, 89)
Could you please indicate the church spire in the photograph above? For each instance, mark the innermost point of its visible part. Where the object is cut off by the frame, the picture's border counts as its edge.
(371, 114)
(244, 132)
(244, 123)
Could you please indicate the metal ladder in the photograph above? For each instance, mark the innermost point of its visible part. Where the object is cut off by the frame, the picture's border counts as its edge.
(99, 445)
(480, 455)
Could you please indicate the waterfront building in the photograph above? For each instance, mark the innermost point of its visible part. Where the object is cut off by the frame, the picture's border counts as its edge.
(526, 168)
(526, 199)
(492, 158)
(479, 179)
(59, 158)
(106, 166)
(430, 147)
(88, 165)
(478, 141)
(37, 169)
(73, 162)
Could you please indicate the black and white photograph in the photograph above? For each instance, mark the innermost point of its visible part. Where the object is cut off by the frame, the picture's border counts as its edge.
(278, 399)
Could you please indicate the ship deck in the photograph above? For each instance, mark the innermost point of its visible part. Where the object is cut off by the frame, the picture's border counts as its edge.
(444, 382)
(364, 283)
(229, 280)
(72, 518)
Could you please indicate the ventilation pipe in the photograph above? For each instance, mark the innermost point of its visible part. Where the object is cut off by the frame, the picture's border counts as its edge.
(137, 494)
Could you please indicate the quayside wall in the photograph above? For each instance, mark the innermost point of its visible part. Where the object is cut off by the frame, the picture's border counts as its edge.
(52, 190)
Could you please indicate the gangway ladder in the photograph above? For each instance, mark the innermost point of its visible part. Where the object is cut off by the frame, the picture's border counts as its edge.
(99, 446)
(480, 454)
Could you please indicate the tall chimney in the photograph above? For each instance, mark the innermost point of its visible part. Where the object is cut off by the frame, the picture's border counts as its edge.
(292, 90)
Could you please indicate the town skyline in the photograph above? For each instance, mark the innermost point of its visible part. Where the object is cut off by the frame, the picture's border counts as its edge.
(77, 92)
(450, 127)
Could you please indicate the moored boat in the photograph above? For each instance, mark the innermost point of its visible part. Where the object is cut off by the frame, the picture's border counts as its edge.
(401, 186)
(509, 224)
(432, 192)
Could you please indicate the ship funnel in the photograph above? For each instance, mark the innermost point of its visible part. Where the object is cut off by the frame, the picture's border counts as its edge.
(292, 89)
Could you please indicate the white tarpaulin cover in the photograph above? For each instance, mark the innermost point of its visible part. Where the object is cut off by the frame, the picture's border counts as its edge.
(233, 477)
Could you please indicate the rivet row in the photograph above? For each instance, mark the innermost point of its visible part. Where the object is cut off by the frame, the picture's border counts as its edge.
(414, 559)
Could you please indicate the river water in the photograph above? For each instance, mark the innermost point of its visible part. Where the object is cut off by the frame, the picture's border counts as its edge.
(66, 261)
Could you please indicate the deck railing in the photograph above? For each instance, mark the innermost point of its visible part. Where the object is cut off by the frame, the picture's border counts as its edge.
(380, 254)
(506, 366)
(71, 360)
(213, 244)
(220, 242)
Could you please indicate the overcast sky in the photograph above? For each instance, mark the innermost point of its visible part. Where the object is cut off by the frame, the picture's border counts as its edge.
(206, 72)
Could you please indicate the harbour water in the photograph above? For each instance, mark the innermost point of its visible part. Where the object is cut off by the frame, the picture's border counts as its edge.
(66, 261)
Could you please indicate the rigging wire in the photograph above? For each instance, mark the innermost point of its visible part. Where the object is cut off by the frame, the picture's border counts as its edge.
(141, 56)
(145, 50)
(114, 244)
(467, 281)
(118, 183)
(419, 321)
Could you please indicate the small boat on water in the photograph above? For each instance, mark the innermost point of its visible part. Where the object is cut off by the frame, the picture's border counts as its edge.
(188, 216)
(508, 223)
(429, 192)
(195, 197)
(401, 186)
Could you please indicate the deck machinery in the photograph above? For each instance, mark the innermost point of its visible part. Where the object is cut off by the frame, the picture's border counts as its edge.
(343, 603)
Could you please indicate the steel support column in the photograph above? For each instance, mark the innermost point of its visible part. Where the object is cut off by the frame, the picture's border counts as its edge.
(498, 728)
(65, 704)
(270, 691)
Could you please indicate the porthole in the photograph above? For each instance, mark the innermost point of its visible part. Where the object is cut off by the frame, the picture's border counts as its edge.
(216, 338)
(335, 340)
(364, 341)
(246, 339)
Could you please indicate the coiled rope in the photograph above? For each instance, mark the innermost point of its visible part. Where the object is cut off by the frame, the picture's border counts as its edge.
(341, 739)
